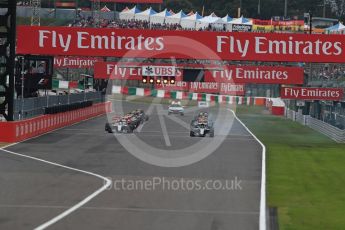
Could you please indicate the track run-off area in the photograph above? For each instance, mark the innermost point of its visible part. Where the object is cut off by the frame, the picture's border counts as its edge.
(81, 177)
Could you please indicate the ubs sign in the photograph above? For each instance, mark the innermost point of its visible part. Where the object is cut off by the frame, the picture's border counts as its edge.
(159, 71)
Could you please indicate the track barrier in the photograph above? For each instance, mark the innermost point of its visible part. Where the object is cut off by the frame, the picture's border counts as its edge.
(15, 131)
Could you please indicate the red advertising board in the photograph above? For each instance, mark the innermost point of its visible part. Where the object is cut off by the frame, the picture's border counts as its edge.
(231, 89)
(178, 86)
(225, 74)
(257, 74)
(74, 62)
(278, 23)
(204, 87)
(113, 42)
(216, 87)
(302, 93)
(125, 71)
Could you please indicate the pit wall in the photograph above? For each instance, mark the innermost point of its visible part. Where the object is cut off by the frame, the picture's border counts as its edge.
(179, 95)
(14, 131)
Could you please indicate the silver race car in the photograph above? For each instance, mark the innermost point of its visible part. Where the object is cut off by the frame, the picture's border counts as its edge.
(201, 126)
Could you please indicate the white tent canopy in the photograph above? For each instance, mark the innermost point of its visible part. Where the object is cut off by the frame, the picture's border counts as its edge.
(129, 14)
(227, 18)
(176, 18)
(159, 18)
(190, 21)
(145, 15)
(212, 15)
(241, 21)
(338, 28)
(209, 20)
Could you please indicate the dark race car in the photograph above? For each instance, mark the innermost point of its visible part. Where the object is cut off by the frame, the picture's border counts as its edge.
(140, 114)
(201, 126)
(127, 123)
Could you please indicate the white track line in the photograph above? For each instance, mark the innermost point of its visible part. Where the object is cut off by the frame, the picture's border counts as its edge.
(106, 185)
(164, 127)
(262, 218)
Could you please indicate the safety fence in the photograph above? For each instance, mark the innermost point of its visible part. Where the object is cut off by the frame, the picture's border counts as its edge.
(179, 95)
(318, 125)
(327, 129)
(21, 130)
(32, 107)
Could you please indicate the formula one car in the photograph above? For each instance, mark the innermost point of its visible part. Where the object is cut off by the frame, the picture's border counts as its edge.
(140, 114)
(202, 125)
(176, 107)
(127, 123)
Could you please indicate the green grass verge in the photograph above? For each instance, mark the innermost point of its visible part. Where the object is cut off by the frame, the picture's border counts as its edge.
(305, 172)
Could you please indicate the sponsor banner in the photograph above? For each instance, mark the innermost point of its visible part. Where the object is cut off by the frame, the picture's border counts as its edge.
(126, 71)
(74, 62)
(111, 42)
(160, 71)
(289, 23)
(178, 86)
(216, 87)
(232, 89)
(265, 28)
(204, 87)
(278, 23)
(302, 93)
(257, 74)
(262, 22)
(241, 28)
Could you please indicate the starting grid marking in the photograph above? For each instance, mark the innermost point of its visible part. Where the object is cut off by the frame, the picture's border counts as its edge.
(175, 135)
(185, 211)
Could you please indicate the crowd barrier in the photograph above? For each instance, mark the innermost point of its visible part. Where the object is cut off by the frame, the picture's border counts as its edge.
(21, 130)
(179, 95)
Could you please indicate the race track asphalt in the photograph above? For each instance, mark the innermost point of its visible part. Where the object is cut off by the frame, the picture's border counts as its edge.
(33, 192)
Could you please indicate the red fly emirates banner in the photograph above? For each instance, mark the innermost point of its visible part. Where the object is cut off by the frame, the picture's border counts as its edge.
(112, 42)
(257, 74)
(301, 93)
(217, 87)
(74, 62)
(178, 86)
(128, 71)
(225, 74)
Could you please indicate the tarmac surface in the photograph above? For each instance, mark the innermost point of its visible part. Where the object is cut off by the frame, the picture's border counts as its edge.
(220, 191)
